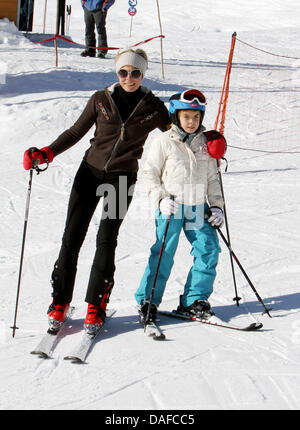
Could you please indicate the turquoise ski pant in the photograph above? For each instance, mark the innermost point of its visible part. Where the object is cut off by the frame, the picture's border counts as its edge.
(205, 250)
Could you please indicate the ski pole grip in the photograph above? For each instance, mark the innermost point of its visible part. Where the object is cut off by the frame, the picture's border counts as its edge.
(207, 214)
(172, 197)
(33, 149)
(36, 161)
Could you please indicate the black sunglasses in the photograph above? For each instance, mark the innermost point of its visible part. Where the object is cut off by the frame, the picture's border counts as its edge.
(134, 74)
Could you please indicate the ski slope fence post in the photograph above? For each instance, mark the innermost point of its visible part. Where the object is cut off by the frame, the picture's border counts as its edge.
(130, 31)
(56, 51)
(161, 43)
(44, 18)
(225, 89)
(222, 112)
(57, 16)
(132, 13)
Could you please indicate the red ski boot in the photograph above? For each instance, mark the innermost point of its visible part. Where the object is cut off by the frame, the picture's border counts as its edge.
(95, 316)
(57, 315)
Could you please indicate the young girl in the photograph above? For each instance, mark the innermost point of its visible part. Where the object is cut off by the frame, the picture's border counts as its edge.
(181, 179)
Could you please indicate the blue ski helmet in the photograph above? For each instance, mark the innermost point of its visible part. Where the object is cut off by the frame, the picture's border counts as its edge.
(186, 100)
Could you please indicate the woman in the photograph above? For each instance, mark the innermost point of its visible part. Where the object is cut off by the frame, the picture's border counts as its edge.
(124, 114)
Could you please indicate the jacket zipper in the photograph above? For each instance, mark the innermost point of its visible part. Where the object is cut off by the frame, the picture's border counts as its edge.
(121, 137)
(122, 132)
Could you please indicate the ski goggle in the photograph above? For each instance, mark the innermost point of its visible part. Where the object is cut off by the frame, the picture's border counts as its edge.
(190, 96)
(134, 74)
(189, 99)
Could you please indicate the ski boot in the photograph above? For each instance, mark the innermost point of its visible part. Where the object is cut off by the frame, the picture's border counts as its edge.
(101, 54)
(95, 315)
(88, 53)
(57, 315)
(200, 309)
(143, 311)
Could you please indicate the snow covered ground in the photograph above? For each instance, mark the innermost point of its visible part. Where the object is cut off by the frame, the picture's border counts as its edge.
(198, 367)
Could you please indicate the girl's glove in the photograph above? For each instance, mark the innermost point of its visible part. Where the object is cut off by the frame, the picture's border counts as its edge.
(216, 218)
(168, 206)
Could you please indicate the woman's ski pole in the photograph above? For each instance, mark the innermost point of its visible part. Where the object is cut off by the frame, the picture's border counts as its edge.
(14, 327)
(38, 170)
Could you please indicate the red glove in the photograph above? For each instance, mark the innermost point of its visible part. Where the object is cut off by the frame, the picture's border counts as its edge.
(216, 143)
(40, 156)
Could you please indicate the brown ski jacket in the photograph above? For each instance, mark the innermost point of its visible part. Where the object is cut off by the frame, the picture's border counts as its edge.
(116, 145)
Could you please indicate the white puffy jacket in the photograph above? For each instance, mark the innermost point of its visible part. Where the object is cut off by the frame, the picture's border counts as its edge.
(184, 170)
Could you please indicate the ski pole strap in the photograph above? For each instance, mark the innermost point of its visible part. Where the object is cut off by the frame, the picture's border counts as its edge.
(226, 161)
(36, 161)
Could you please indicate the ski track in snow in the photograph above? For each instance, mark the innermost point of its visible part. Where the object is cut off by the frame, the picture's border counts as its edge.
(197, 367)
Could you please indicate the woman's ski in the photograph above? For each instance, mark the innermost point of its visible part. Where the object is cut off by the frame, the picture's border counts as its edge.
(49, 341)
(80, 352)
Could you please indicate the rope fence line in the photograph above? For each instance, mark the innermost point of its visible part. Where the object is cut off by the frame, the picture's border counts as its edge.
(226, 91)
(106, 48)
(264, 151)
(267, 52)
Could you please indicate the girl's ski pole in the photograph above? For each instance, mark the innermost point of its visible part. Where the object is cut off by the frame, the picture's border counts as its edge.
(266, 310)
(158, 265)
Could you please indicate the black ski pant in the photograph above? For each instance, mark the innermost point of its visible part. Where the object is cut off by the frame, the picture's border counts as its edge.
(90, 184)
(95, 18)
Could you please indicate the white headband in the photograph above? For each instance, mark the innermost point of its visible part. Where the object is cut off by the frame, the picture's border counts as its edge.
(131, 59)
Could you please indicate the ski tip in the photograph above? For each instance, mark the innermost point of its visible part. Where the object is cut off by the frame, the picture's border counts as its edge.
(254, 326)
(40, 354)
(53, 331)
(73, 359)
(152, 330)
(162, 336)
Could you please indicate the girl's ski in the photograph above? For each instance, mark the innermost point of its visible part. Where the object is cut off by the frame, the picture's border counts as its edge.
(212, 320)
(153, 330)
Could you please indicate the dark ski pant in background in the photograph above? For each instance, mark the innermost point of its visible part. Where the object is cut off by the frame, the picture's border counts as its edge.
(95, 18)
(82, 204)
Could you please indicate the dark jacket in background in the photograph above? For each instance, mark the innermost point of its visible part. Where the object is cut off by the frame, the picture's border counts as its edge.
(97, 4)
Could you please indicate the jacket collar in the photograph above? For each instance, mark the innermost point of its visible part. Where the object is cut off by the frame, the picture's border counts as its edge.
(112, 87)
(182, 136)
